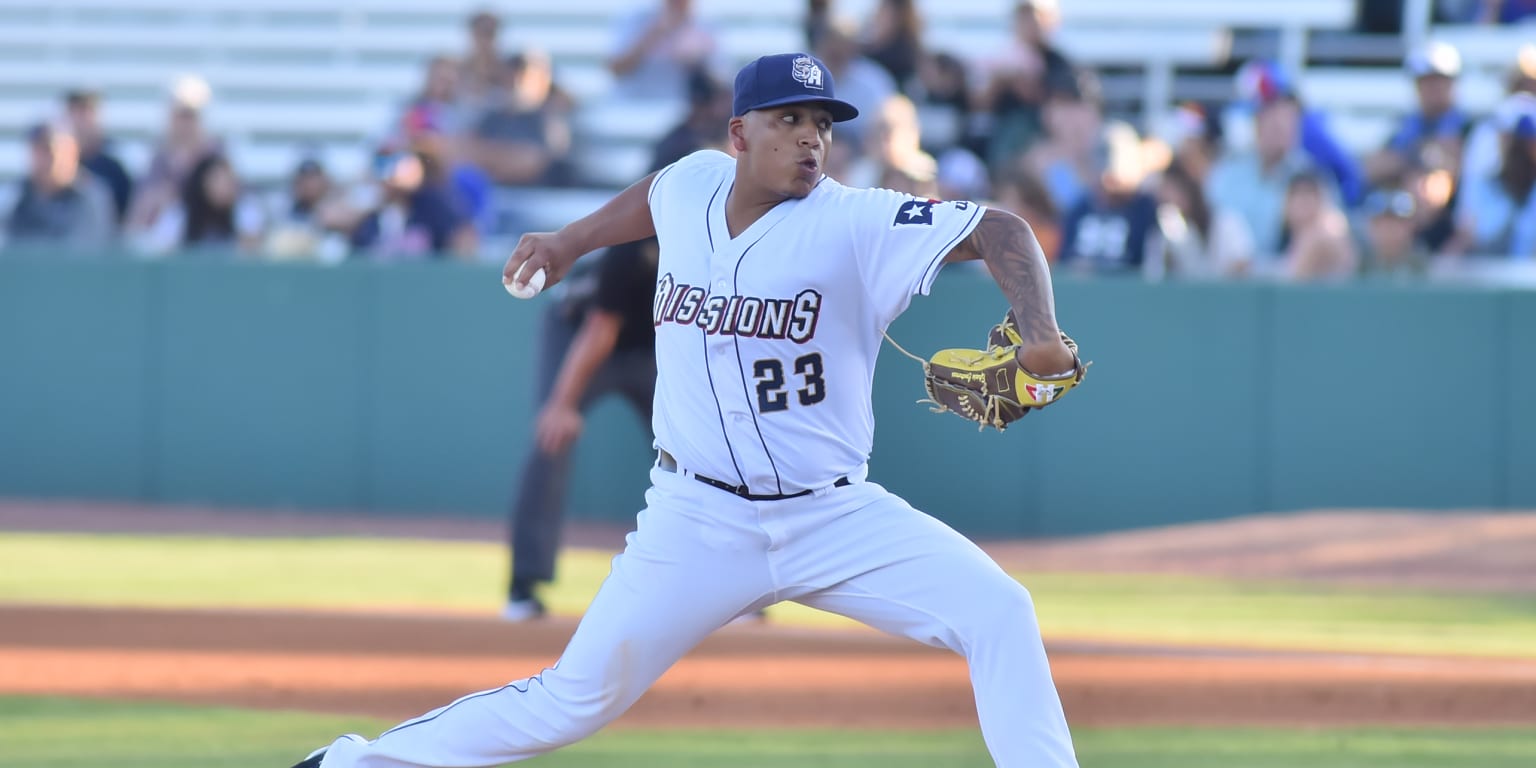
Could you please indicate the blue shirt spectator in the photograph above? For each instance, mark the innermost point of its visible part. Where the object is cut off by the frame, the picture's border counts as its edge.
(1328, 154)
(1497, 212)
(1516, 11)
(1417, 128)
(1434, 72)
(418, 216)
(1262, 83)
(1254, 183)
(56, 202)
(425, 224)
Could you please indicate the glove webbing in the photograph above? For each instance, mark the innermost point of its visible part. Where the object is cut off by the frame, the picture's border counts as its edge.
(993, 413)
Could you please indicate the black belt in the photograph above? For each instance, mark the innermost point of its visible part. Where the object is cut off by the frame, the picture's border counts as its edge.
(668, 463)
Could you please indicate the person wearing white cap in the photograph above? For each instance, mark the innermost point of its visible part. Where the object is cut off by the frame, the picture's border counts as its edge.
(186, 141)
(1438, 120)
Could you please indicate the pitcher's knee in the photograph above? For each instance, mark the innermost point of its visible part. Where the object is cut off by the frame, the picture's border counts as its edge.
(584, 711)
(1007, 608)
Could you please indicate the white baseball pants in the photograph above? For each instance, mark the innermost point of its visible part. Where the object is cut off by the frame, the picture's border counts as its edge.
(699, 558)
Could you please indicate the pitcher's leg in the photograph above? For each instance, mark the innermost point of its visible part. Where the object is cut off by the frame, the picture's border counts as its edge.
(909, 574)
(682, 575)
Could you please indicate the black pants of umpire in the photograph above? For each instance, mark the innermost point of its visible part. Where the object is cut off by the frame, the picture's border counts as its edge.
(538, 509)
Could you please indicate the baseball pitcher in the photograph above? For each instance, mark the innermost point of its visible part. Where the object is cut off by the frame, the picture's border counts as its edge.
(775, 285)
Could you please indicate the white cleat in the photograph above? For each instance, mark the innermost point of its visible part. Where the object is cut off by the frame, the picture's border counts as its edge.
(518, 611)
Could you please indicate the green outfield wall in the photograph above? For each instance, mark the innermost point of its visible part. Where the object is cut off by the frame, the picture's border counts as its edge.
(407, 390)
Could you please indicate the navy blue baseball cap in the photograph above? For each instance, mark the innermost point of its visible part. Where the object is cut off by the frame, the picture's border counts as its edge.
(788, 78)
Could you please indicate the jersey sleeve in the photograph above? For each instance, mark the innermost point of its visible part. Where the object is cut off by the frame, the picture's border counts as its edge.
(704, 162)
(676, 186)
(902, 241)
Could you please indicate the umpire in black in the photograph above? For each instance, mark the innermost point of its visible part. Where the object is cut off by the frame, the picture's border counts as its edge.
(597, 338)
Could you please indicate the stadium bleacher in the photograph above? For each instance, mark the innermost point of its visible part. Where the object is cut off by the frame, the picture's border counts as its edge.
(287, 74)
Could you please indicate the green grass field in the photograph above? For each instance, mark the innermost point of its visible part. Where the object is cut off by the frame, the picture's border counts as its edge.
(63, 733)
(187, 571)
(184, 571)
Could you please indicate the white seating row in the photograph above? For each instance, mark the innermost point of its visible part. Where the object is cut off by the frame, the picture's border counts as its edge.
(1253, 13)
(285, 72)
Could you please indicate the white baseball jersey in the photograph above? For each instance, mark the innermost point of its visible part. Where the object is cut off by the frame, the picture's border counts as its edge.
(766, 342)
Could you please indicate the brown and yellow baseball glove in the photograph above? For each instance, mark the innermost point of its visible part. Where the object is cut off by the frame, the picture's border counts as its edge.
(989, 386)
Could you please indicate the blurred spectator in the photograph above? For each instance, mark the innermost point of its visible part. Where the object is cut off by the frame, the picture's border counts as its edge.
(962, 176)
(943, 97)
(436, 107)
(309, 219)
(185, 144)
(1390, 248)
(310, 188)
(414, 215)
(1193, 137)
(467, 184)
(1254, 182)
(840, 157)
(210, 214)
(818, 14)
(526, 140)
(1433, 183)
(56, 203)
(84, 111)
(1260, 83)
(1457, 11)
(1380, 17)
(1068, 158)
(1114, 229)
(895, 159)
(1438, 120)
(1505, 11)
(1483, 152)
(1496, 214)
(655, 49)
(1201, 240)
(1021, 192)
(894, 40)
(1014, 82)
(1320, 246)
(1483, 11)
(705, 124)
(480, 77)
(860, 82)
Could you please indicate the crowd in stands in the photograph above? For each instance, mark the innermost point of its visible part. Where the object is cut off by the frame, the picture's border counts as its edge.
(1256, 186)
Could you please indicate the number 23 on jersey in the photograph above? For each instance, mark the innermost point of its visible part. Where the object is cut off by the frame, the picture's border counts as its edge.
(771, 383)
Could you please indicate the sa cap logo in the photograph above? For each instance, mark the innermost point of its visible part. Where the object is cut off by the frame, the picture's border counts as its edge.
(805, 70)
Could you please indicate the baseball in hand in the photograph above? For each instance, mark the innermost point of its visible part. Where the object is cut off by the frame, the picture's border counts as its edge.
(535, 284)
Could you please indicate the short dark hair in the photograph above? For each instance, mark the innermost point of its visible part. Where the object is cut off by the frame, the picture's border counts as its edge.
(483, 16)
(81, 97)
(38, 133)
(1306, 178)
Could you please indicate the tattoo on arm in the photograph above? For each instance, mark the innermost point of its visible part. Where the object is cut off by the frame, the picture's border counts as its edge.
(1008, 246)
